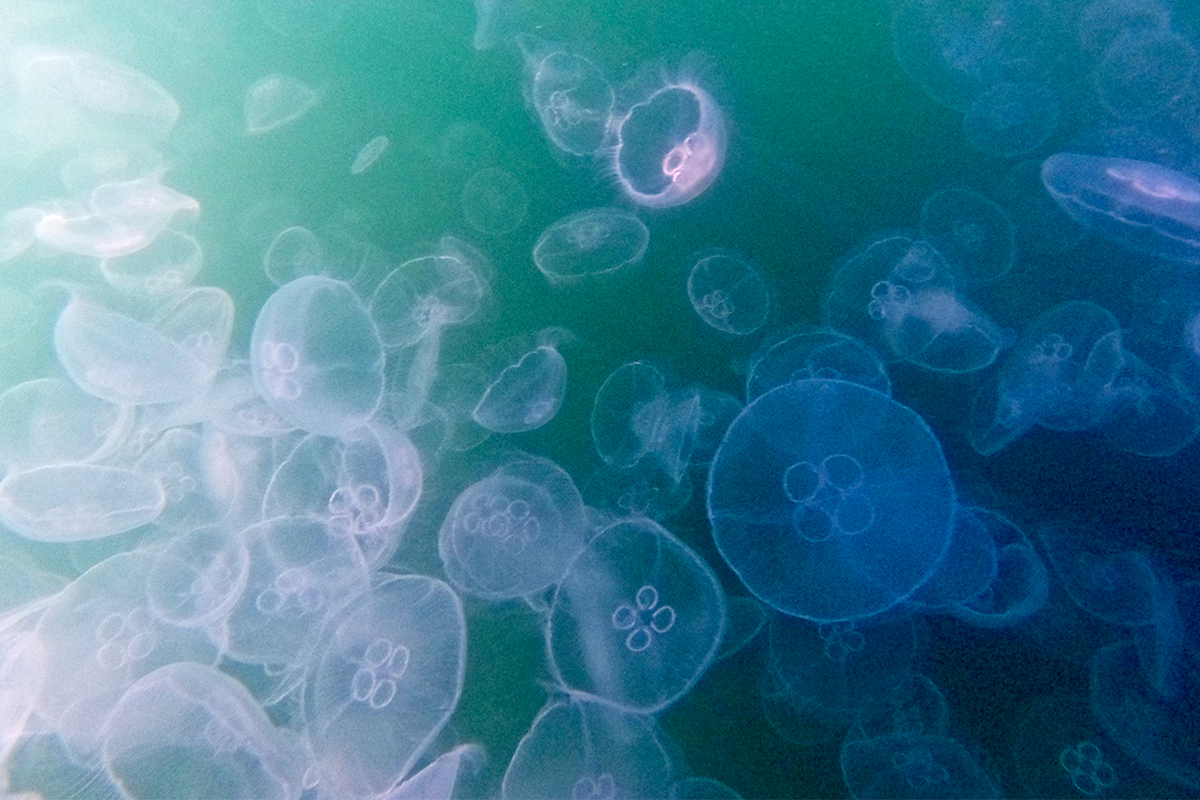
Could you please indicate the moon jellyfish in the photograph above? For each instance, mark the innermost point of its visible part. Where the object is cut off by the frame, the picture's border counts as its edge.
(71, 502)
(275, 101)
(584, 749)
(594, 242)
(526, 384)
(494, 202)
(1144, 72)
(426, 294)
(898, 294)
(369, 154)
(387, 678)
(806, 509)
(636, 619)
(188, 730)
(167, 264)
(1144, 207)
(513, 533)
(729, 294)
(804, 355)
(295, 252)
(100, 635)
(670, 146)
(364, 484)
(316, 356)
(972, 233)
(914, 765)
(573, 100)
(1011, 119)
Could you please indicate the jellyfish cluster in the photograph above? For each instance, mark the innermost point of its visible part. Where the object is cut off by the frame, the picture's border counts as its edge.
(506, 400)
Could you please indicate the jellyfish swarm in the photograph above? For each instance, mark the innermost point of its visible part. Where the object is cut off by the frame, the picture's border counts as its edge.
(1144, 207)
(670, 146)
(808, 508)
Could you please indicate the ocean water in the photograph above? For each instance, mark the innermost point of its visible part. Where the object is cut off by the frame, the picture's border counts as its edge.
(831, 144)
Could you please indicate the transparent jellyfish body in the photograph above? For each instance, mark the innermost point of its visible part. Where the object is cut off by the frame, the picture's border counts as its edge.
(728, 293)
(572, 98)
(388, 676)
(316, 356)
(898, 295)
(1144, 207)
(669, 146)
(636, 619)
(803, 510)
(590, 243)
(805, 354)
(583, 749)
(195, 712)
(513, 533)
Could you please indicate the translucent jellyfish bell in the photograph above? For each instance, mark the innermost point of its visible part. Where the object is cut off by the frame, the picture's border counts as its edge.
(590, 243)
(803, 355)
(728, 293)
(571, 96)
(1144, 207)
(636, 619)
(584, 749)
(805, 508)
(513, 533)
(972, 233)
(386, 679)
(670, 145)
(1011, 119)
(898, 294)
(428, 293)
(527, 382)
(194, 714)
(316, 356)
(275, 100)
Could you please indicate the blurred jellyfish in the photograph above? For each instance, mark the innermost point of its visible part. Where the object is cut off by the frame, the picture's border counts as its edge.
(972, 233)
(276, 100)
(371, 152)
(1011, 119)
(1143, 72)
(494, 202)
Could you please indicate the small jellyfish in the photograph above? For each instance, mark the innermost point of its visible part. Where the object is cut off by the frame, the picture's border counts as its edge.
(513, 533)
(972, 233)
(1011, 119)
(527, 381)
(670, 145)
(590, 243)
(369, 154)
(276, 100)
(1143, 72)
(494, 202)
(729, 294)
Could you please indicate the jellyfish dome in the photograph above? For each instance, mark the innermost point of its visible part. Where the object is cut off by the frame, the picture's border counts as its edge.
(670, 146)
(830, 500)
